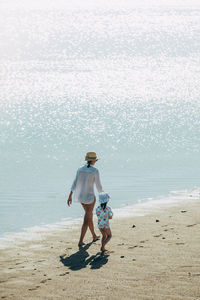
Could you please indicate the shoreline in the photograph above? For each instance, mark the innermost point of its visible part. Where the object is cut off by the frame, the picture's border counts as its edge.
(155, 256)
(144, 207)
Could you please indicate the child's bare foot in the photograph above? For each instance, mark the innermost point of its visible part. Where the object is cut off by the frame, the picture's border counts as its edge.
(103, 249)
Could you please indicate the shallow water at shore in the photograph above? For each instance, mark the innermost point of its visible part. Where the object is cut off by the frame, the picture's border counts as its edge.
(142, 207)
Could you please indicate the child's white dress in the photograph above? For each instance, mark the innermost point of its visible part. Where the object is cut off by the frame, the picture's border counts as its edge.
(103, 216)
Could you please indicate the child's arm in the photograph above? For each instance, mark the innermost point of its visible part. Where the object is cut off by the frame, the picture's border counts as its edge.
(97, 212)
(110, 213)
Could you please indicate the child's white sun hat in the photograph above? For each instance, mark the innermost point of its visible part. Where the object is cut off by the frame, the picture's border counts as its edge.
(103, 198)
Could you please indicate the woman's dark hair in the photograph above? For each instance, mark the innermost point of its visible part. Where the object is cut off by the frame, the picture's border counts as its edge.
(88, 164)
(103, 205)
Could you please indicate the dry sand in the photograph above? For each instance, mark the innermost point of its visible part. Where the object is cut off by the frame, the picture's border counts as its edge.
(150, 260)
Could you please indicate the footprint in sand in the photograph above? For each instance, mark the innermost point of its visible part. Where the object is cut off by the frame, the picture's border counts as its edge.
(41, 260)
(43, 281)
(191, 225)
(132, 247)
(180, 243)
(63, 274)
(157, 235)
(35, 288)
(144, 241)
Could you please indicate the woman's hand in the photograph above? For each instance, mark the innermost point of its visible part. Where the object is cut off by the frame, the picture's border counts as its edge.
(69, 201)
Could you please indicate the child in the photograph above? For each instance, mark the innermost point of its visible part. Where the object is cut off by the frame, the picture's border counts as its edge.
(104, 213)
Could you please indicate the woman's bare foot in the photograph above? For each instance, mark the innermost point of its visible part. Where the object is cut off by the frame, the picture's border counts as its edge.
(81, 244)
(96, 238)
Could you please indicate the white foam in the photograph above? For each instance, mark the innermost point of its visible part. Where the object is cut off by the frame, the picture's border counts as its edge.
(150, 205)
(143, 207)
(36, 233)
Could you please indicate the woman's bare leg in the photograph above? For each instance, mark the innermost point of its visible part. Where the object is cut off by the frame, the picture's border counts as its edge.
(87, 222)
(83, 230)
(91, 225)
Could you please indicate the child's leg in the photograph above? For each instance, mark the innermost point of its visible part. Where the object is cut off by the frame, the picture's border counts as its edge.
(109, 235)
(104, 237)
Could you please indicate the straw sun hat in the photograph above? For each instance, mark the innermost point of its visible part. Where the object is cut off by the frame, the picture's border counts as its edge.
(90, 156)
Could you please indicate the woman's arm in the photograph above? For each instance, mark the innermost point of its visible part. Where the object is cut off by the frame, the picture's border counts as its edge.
(98, 182)
(74, 182)
(69, 201)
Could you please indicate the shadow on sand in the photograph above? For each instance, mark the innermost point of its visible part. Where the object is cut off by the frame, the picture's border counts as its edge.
(81, 259)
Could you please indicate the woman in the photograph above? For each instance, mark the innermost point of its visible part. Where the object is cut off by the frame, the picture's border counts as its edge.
(83, 189)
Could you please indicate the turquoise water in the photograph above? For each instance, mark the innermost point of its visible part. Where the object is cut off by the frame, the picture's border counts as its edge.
(121, 79)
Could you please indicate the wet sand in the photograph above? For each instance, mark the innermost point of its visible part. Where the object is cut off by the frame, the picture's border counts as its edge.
(151, 257)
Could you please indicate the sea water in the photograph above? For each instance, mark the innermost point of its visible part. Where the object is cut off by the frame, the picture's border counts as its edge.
(119, 78)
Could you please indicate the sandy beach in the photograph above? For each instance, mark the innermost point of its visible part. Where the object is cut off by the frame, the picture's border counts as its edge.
(151, 257)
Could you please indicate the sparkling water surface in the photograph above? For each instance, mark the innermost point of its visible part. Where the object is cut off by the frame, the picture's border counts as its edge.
(121, 79)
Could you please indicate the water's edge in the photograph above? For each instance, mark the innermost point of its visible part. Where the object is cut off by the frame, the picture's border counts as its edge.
(145, 207)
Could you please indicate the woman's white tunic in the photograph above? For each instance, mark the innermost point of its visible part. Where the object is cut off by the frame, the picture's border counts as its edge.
(83, 185)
